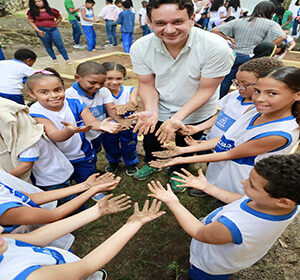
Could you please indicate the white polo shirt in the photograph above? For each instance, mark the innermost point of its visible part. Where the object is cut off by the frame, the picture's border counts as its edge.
(204, 55)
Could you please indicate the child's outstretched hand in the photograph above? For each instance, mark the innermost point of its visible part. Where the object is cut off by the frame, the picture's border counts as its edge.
(126, 124)
(191, 141)
(160, 193)
(162, 163)
(107, 187)
(110, 205)
(188, 130)
(108, 126)
(76, 129)
(170, 151)
(147, 214)
(191, 181)
(106, 179)
(120, 109)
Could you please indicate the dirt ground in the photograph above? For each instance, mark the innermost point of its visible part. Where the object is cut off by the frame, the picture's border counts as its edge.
(282, 261)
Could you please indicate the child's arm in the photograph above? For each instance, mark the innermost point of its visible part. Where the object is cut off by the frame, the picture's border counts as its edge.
(48, 233)
(248, 149)
(25, 215)
(57, 135)
(213, 233)
(105, 125)
(292, 45)
(22, 168)
(201, 183)
(193, 129)
(94, 181)
(172, 151)
(112, 112)
(103, 253)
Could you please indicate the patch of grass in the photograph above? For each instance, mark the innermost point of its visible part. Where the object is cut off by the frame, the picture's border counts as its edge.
(158, 244)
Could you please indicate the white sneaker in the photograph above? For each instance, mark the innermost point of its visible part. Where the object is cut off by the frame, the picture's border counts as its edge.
(78, 46)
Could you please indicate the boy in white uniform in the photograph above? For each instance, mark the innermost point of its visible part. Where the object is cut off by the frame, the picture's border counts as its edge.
(13, 74)
(237, 235)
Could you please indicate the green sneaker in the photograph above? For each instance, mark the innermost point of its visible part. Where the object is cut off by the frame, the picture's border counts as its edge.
(145, 172)
(175, 186)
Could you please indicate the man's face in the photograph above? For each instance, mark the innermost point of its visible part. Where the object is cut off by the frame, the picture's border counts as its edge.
(171, 24)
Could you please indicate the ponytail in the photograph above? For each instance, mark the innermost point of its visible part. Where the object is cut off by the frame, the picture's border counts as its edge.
(296, 111)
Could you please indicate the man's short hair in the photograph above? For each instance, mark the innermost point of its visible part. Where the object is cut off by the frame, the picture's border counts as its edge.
(261, 65)
(23, 54)
(90, 67)
(282, 173)
(182, 4)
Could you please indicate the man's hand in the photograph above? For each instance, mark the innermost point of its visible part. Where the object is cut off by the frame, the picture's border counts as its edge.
(146, 122)
(170, 151)
(191, 141)
(110, 205)
(76, 129)
(108, 126)
(147, 214)
(189, 130)
(191, 181)
(167, 130)
(162, 163)
(162, 194)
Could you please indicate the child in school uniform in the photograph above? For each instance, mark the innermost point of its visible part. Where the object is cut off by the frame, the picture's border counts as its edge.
(126, 19)
(65, 120)
(237, 102)
(235, 236)
(89, 88)
(13, 74)
(122, 144)
(87, 18)
(269, 129)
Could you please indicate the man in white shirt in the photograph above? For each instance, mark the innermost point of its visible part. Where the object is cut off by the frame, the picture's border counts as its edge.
(179, 69)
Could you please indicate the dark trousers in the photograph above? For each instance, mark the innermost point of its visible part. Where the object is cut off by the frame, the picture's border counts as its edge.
(151, 144)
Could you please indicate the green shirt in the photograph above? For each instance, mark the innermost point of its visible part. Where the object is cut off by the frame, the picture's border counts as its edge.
(69, 4)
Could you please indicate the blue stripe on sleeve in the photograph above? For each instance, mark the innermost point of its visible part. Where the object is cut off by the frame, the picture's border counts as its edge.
(8, 205)
(27, 159)
(26, 272)
(234, 230)
(38, 116)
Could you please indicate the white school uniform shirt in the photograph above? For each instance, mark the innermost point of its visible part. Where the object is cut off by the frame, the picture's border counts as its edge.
(96, 104)
(13, 74)
(21, 259)
(50, 167)
(228, 174)
(143, 13)
(232, 107)
(12, 198)
(215, 16)
(124, 95)
(89, 13)
(253, 234)
(77, 148)
(235, 13)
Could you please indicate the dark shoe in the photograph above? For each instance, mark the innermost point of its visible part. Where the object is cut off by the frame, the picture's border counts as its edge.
(195, 192)
(131, 170)
(112, 167)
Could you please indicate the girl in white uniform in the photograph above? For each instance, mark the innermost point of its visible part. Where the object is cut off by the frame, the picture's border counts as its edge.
(122, 144)
(65, 121)
(272, 129)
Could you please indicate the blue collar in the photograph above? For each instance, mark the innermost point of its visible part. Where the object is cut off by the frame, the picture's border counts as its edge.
(120, 93)
(250, 126)
(80, 91)
(240, 98)
(244, 206)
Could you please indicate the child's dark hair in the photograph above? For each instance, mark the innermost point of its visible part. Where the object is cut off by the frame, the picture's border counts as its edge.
(289, 75)
(216, 5)
(282, 48)
(90, 67)
(118, 1)
(182, 4)
(283, 175)
(234, 4)
(90, 1)
(40, 74)
(23, 54)
(126, 4)
(109, 66)
(261, 65)
(35, 11)
(109, 1)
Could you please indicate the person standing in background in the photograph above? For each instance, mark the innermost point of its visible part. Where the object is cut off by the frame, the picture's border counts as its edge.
(143, 19)
(73, 19)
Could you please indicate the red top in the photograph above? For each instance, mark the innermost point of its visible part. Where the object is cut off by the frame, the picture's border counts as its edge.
(44, 19)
